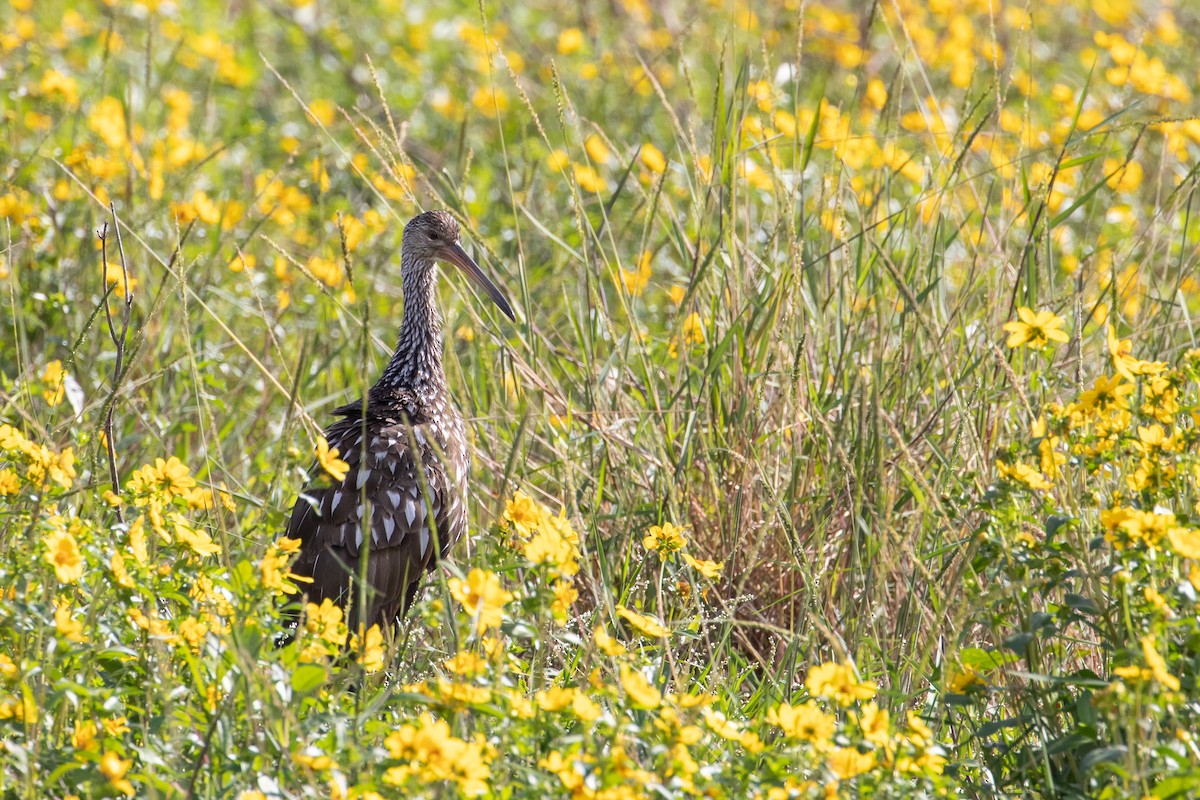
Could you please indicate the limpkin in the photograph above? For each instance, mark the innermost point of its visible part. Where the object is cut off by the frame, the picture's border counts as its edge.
(403, 501)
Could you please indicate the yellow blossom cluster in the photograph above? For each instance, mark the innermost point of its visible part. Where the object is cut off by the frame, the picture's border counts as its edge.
(1132, 527)
(838, 682)
(326, 631)
(62, 549)
(547, 538)
(157, 485)
(1035, 330)
(41, 464)
(429, 753)
(276, 577)
(668, 539)
(911, 750)
(482, 597)
(1155, 669)
(367, 647)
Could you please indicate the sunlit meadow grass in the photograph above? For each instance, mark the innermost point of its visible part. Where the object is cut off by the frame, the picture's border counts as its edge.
(845, 444)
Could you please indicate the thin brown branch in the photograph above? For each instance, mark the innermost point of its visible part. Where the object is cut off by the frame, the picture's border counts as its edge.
(119, 340)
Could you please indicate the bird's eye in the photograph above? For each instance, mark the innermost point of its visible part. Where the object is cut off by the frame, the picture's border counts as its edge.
(434, 237)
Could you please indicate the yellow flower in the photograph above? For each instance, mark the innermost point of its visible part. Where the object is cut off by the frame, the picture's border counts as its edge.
(243, 263)
(329, 461)
(876, 93)
(275, 574)
(54, 82)
(314, 759)
(664, 539)
(12, 439)
(430, 753)
(67, 627)
(563, 768)
(558, 160)
(589, 180)
(1157, 665)
(1106, 394)
(709, 569)
(116, 726)
(644, 624)
(596, 149)
(606, 643)
(55, 380)
(171, 477)
(1035, 330)
(586, 709)
(848, 762)
(1123, 176)
(721, 726)
(137, 541)
(10, 483)
(565, 594)
(1131, 526)
(325, 622)
(463, 693)
(193, 632)
(693, 329)
(963, 679)
(1131, 672)
(107, 120)
(1121, 353)
(570, 41)
(113, 767)
(466, 663)
(639, 689)
(288, 546)
(1185, 541)
(116, 563)
(635, 281)
(62, 553)
(806, 722)
(491, 102)
(482, 597)
(839, 683)
(113, 274)
(199, 540)
(62, 468)
(524, 513)
(83, 737)
(556, 698)
(555, 543)
(369, 649)
(874, 721)
(652, 158)
(1024, 474)
(917, 732)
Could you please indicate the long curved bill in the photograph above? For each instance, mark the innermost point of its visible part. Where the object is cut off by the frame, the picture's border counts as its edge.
(459, 258)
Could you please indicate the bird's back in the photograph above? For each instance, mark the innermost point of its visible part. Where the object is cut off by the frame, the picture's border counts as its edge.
(401, 506)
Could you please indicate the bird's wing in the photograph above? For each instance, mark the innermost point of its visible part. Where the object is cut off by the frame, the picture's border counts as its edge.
(383, 481)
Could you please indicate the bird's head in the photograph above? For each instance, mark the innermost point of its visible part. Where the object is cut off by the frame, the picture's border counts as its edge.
(434, 236)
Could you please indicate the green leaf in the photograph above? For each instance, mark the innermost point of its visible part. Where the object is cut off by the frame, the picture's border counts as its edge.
(1178, 786)
(980, 659)
(1081, 603)
(308, 678)
(1102, 755)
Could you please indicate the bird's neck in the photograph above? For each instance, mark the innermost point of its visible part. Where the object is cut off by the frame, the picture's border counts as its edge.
(417, 362)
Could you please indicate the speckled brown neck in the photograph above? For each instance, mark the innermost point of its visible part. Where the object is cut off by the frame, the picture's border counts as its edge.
(417, 362)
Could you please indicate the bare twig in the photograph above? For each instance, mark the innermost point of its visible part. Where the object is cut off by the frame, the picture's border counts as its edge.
(119, 340)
